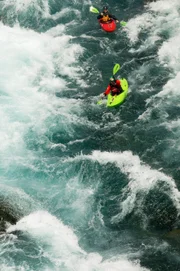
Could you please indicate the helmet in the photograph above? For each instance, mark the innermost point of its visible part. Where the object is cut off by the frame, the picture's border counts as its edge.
(112, 80)
(105, 8)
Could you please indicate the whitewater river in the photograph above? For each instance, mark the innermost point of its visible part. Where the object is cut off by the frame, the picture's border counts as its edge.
(84, 187)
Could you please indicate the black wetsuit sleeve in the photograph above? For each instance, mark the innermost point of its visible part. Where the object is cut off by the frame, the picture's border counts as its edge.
(99, 16)
(113, 17)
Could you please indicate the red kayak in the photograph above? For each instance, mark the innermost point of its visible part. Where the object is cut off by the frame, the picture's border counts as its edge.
(109, 26)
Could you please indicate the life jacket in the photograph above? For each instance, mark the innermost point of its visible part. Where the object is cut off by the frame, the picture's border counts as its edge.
(115, 85)
(105, 18)
(116, 89)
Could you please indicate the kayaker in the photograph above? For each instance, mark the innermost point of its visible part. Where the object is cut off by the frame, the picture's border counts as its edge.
(105, 16)
(114, 87)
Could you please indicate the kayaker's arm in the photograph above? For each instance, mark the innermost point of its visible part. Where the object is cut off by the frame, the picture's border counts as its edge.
(100, 16)
(118, 85)
(113, 17)
(107, 91)
(118, 82)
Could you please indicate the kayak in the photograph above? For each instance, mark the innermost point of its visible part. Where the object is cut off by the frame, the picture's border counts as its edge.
(118, 99)
(109, 26)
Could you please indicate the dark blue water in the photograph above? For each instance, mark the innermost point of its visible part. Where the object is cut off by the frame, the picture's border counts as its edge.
(85, 187)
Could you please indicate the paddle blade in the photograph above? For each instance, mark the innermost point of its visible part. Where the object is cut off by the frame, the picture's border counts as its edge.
(99, 102)
(123, 23)
(116, 68)
(94, 10)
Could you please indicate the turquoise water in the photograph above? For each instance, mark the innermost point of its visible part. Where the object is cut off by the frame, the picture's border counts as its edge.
(84, 187)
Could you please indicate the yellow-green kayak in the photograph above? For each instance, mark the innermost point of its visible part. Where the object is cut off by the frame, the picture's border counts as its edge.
(118, 99)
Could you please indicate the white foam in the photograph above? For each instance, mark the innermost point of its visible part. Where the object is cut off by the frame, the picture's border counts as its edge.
(160, 18)
(62, 247)
(28, 84)
(141, 177)
(22, 6)
(169, 53)
(41, 224)
(64, 12)
(5, 267)
(164, 6)
(137, 24)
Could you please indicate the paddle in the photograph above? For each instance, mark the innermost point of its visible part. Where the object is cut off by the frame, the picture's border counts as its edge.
(115, 70)
(95, 10)
(123, 23)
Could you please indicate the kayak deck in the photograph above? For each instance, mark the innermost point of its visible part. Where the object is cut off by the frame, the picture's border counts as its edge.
(118, 99)
(109, 26)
